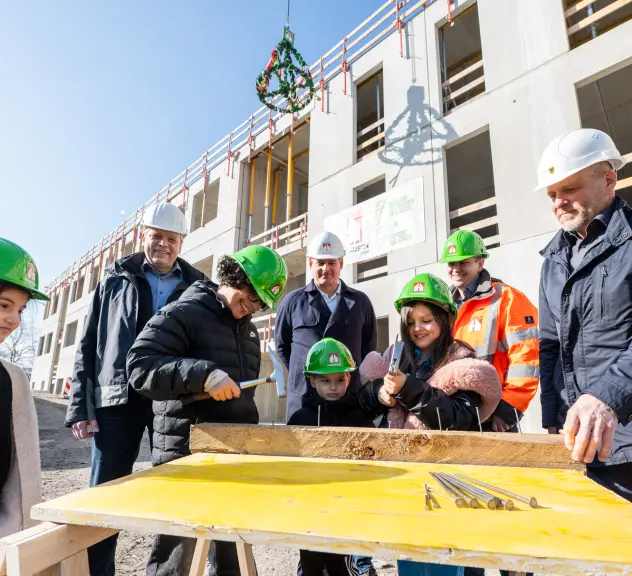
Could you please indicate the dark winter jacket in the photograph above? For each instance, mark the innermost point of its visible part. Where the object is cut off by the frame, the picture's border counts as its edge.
(304, 318)
(343, 412)
(120, 307)
(586, 320)
(176, 352)
(444, 399)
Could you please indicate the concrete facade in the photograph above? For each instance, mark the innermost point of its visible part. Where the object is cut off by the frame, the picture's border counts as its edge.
(531, 81)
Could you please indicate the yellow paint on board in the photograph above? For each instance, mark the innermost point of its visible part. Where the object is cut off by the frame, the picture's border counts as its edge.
(361, 505)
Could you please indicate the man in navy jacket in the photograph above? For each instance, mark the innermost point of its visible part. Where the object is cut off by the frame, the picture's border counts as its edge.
(325, 308)
(586, 306)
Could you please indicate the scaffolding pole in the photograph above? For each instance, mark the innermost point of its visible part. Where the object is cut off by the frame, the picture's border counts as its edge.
(290, 177)
(268, 190)
(274, 196)
(253, 164)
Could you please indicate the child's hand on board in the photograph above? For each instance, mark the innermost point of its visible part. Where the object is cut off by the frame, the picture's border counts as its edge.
(393, 383)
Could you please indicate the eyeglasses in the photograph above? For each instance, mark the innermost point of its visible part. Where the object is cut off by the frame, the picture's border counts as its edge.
(254, 298)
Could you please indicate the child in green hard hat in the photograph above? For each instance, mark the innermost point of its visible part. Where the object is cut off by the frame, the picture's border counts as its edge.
(190, 358)
(440, 384)
(328, 371)
(327, 402)
(20, 472)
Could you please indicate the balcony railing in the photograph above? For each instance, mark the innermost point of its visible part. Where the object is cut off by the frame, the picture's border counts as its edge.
(294, 230)
(486, 222)
(587, 19)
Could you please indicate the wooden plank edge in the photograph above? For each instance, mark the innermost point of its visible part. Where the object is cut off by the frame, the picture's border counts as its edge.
(429, 446)
(450, 556)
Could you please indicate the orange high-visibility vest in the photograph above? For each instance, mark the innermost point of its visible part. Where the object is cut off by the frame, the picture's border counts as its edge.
(501, 324)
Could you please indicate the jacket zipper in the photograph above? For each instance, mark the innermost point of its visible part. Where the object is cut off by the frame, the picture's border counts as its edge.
(604, 274)
(239, 353)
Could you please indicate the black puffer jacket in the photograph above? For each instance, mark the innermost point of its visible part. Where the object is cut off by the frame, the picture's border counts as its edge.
(343, 412)
(175, 353)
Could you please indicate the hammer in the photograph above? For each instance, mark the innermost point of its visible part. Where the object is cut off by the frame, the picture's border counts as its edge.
(278, 376)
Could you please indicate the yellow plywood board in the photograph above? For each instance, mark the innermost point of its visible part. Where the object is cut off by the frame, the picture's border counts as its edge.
(366, 508)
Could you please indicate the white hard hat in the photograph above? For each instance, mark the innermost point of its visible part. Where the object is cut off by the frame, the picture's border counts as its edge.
(325, 246)
(573, 151)
(165, 216)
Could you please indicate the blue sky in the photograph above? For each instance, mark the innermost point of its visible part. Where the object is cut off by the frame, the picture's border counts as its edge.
(102, 103)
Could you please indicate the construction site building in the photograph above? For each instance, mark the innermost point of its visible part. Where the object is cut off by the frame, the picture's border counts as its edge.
(444, 107)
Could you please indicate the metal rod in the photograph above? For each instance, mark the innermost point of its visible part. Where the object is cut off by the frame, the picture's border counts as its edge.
(530, 501)
(453, 494)
(491, 501)
(439, 418)
(431, 496)
(433, 491)
(478, 415)
(593, 27)
(518, 421)
(318, 416)
(472, 502)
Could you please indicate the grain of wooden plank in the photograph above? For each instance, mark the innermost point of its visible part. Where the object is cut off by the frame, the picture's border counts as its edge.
(521, 450)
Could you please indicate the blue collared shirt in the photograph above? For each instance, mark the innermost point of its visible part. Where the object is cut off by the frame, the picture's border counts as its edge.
(469, 292)
(162, 285)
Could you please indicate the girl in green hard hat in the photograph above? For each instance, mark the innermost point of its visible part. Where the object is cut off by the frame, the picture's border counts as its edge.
(19, 445)
(440, 385)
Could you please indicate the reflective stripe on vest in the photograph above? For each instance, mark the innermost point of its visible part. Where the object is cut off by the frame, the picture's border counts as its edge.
(523, 372)
(518, 336)
(488, 349)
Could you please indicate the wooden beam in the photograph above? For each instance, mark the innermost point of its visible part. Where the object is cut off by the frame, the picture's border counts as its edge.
(47, 544)
(431, 446)
(370, 141)
(478, 225)
(198, 564)
(370, 127)
(247, 565)
(625, 183)
(576, 8)
(466, 88)
(463, 74)
(473, 207)
(595, 17)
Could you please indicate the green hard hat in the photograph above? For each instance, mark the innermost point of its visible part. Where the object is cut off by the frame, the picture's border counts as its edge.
(17, 267)
(328, 356)
(266, 271)
(426, 287)
(462, 245)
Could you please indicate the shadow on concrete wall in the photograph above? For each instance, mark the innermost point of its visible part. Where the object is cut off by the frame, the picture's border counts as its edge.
(417, 135)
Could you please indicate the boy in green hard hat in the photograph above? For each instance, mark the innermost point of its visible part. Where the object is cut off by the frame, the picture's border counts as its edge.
(20, 472)
(327, 402)
(204, 343)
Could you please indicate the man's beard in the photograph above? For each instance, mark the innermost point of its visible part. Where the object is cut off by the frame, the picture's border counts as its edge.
(578, 221)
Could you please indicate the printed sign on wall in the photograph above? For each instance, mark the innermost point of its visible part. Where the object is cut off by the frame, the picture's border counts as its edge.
(390, 221)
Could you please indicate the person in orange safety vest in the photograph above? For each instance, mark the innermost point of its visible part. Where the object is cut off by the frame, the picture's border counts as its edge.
(499, 322)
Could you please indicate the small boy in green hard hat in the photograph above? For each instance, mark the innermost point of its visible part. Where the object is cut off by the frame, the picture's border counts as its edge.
(327, 402)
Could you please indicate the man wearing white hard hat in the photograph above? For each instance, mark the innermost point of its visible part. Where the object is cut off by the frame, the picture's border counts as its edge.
(325, 308)
(586, 306)
(102, 405)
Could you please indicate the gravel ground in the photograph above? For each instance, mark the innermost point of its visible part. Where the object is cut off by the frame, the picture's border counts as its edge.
(66, 468)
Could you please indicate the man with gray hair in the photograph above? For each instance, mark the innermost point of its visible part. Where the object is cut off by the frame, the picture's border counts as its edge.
(102, 405)
(586, 306)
